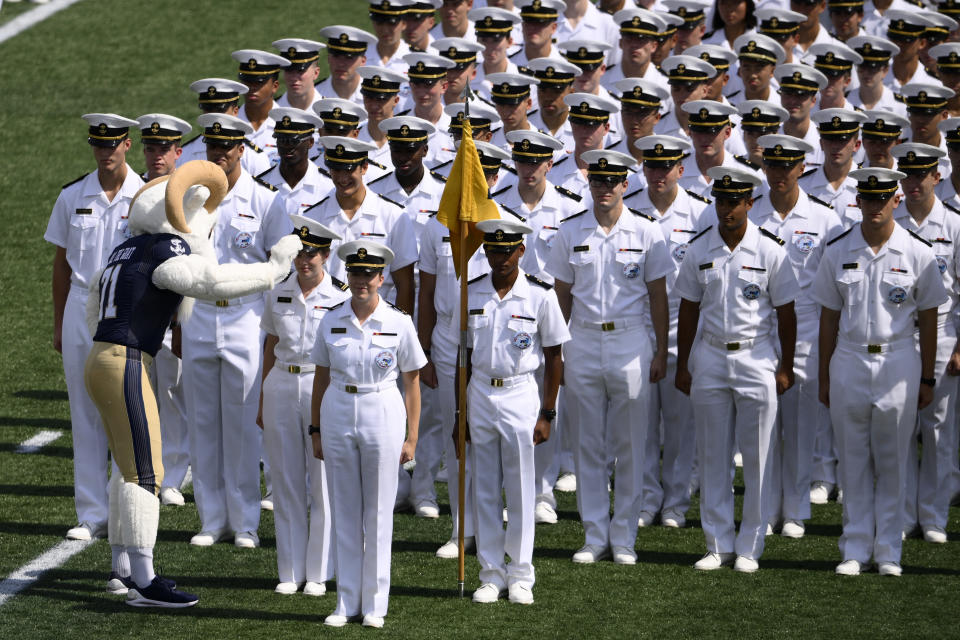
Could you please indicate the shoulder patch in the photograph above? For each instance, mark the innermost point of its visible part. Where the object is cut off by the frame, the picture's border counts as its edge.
(380, 178)
(819, 201)
(576, 215)
(924, 241)
(830, 242)
(477, 279)
(772, 236)
(513, 213)
(950, 207)
(570, 194)
(438, 176)
(537, 281)
(697, 196)
(496, 193)
(744, 161)
(316, 204)
(252, 146)
(694, 238)
(73, 182)
(641, 214)
(264, 184)
(808, 172)
(383, 197)
(339, 284)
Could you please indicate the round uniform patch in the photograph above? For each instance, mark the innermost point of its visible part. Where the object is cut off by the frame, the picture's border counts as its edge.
(384, 359)
(522, 340)
(243, 240)
(679, 251)
(942, 264)
(897, 295)
(804, 243)
(631, 270)
(751, 291)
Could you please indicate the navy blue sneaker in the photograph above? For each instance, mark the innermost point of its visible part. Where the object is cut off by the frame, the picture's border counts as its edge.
(120, 586)
(159, 593)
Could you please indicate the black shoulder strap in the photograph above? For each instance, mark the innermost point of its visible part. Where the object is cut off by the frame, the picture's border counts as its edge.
(772, 236)
(830, 242)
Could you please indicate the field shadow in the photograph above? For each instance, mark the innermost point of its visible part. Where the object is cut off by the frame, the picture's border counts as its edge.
(41, 394)
(41, 423)
(46, 450)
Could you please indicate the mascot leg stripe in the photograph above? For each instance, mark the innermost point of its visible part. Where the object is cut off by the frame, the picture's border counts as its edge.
(137, 417)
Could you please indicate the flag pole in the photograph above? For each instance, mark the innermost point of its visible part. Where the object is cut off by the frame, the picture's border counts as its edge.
(462, 231)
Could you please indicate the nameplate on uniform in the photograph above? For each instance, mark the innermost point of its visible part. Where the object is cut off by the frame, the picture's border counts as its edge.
(476, 312)
(806, 233)
(524, 318)
(338, 330)
(286, 299)
(247, 216)
(581, 247)
(851, 265)
(749, 268)
(631, 250)
(943, 240)
(373, 234)
(896, 270)
(706, 265)
(446, 239)
(83, 212)
(384, 333)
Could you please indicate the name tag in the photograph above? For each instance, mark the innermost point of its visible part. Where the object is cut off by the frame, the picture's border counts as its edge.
(631, 250)
(383, 333)
(476, 312)
(373, 235)
(83, 212)
(524, 318)
(895, 270)
(943, 241)
(851, 265)
(338, 330)
(284, 299)
(581, 247)
(247, 216)
(748, 268)
(706, 265)
(446, 239)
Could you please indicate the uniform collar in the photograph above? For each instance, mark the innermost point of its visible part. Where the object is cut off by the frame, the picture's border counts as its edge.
(897, 242)
(626, 222)
(749, 243)
(934, 218)
(243, 189)
(131, 184)
(520, 288)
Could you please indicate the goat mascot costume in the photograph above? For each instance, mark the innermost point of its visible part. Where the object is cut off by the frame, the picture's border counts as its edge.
(134, 300)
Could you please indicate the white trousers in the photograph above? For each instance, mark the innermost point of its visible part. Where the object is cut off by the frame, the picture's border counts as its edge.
(547, 455)
(824, 450)
(734, 397)
(89, 438)
(173, 418)
(301, 503)
(222, 356)
(501, 429)
(928, 480)
(608, 396)
(362, 435)
(873, 405)
(430, 445)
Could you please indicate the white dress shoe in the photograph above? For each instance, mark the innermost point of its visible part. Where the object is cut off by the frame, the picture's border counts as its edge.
(820, 492)
(427, 509)
(590, 553)
(567, 482)
(267, 502)
(487, 593)
(449, 549)
(209, 538)
(521, 594)
(738, 459)
(646, 519)
(935, 535)
(792, 529)
(673, 519)
(315, 589)
(171, 496)
(850, 568)
(373, 621)
(769, 530)
(544, 514)
(712, 561)
(335, 620)
(246, 540)
(890, 569)
(744, 564)
(286, 588)
(86, 531)
(624, 555)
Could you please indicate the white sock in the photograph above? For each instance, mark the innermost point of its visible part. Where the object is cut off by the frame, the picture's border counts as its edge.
(141, 565)
(121, 561)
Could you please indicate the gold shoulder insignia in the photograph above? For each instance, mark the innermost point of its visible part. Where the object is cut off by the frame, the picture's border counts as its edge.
(339, 284)
(570, 194)
(252, 146)
(772, 236)
(697, 196)
(264, 184)
(537, 281)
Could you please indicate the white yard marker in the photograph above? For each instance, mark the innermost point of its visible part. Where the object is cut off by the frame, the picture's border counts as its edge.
(31, 572)
(26, 20)
(42, 439)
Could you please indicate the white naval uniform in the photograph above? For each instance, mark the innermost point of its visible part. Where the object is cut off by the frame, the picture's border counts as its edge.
(593, 25)
(420, 204)
(564, 134)
(947, 193)
(680, 223)
(699, 182)
(608, 360)
(262, 137)
(734, 391)
(88, 226)
(806, 230)
(436, 257)
(284, 100)
(928, 480)
(395, 62)
(919, 75)
(171, 406)
(325, 89)
(875, 23)
(506, 337)
(377, 220)
(843, 200)
(313, 186)
(382, 157)
(887, 102)
(874, 378)
(363, 426)
(222, 358)
(254, 159)
(300, 488)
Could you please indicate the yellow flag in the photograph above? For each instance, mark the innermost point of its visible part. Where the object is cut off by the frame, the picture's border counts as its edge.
(465, 200)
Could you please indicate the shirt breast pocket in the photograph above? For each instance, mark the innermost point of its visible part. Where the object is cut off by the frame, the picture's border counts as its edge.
(521, 333)
(83, 232)
(243, 232)
(631, 265)
(896, 287)
(582, 258)
(709, 279)
(546, 236)
(384, 350)
(753, 285)
(286, 321)
(852, 286)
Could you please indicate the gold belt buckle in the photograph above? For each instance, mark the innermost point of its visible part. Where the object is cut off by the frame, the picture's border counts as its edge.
(607, 326)
(496, 382)
(733, 346)
(223, 303)
(293, 369)
(874, 348)
(350, 388)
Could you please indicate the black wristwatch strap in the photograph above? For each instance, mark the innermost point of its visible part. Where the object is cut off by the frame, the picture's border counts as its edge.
(548, 414)
(312, 430)
(930, 382)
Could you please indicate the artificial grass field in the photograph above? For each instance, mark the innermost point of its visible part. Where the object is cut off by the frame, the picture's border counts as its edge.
(138, 57)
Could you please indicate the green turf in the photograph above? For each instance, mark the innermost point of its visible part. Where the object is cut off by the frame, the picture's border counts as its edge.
(138, 57)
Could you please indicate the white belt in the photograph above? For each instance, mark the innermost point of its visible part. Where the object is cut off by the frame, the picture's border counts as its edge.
(352, 387)
(737, 345)
(609, 325)
(290, 367)
(884, 347)
(506, 383)
(232, 302)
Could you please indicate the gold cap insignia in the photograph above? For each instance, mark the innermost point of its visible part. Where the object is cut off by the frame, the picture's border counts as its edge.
(337, 112)
(872, 181)
(755, 113)
(375, 80)
(361, 253)
(404, 130)
(344, 38)
(536, 4)
(867, 47)
(505, 87)
(155, 128)
(452, 51)
(584, 107)
(751, 45)
(582, 52)
(922, 96)
(216, 127)
(103, 128)
(211, 91)
(911, 156)
(658, 149)
(682, 12)
(637, 92)
(252, 63)
(339, 150)
(549, 72)
(879, 123)
(304, 232)
(681, 68)
(602, 163)
(726, 181)
(498, 236)
(778, 149)
(420, 66)
(286, 121)
(797, 76)
(835, 121)
(487, 21)
(703, 113)
(636, 21)
(292, 51)
(525, 145)
(705, 56)
(774, 23)
(829, 56)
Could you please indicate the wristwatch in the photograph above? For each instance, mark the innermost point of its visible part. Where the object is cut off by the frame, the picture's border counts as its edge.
(930, 382)
(312, 430)
(548, 414)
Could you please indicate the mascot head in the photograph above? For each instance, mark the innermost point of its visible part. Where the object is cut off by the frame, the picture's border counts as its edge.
(181, 203)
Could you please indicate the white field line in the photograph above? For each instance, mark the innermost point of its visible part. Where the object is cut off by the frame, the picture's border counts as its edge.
(31, 572)
(26, 20)
(42, 439)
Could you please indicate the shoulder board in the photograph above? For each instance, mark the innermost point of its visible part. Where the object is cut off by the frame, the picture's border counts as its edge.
(860, 109)
(314, 159)
(403, 113)
(496, 193)
(438, 176)
(143, 176)
(772, 236)
(530, 113)
(899, 97)
(192, 140)
(398, 309)
(759, 197)
(339, 284)
(808, 172)
(537, 281)
(950, 207)
(513, 213)
(924, 241)
(515, 53)
(560, 161)
(743, 160)
(325, 172)
(320, 81)
(820, 202)
(570, 194)
(701, 233)
(73, 182)
(830, 242)
(376, 164)
(383, 197)
(732, 94)
(259, 176)
(380, 178)
(697, 196)
(662, 72)
(477, 279)
(917, 3)
(287, 277)
(483, 100)
(613, 144)
(610, 67)
(633, 193)
(252, 146)
(508, 169)
(576, 215)
(337, 306)
(641, 214)
(708, 34)
(264, 184)
(443, 164)
(317, 204)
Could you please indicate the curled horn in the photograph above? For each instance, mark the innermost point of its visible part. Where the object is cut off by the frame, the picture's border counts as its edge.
(195, 172)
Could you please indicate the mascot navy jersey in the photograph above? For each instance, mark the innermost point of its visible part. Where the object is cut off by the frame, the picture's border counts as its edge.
(133, 311)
